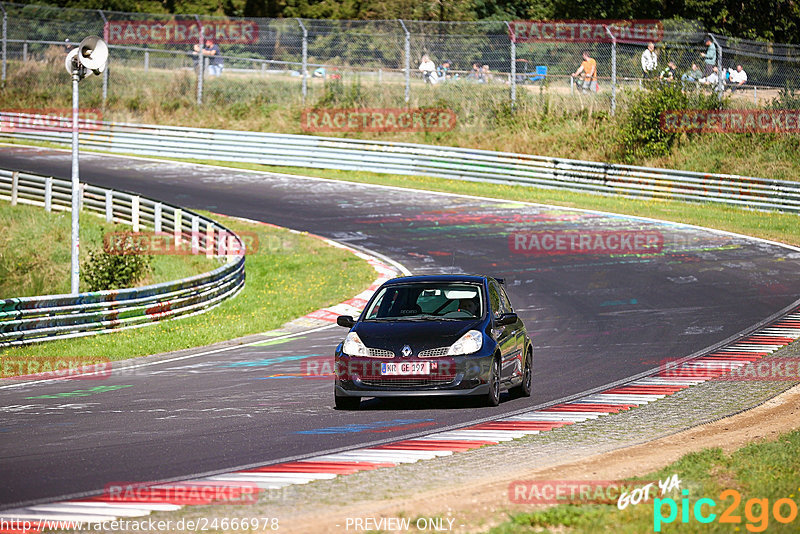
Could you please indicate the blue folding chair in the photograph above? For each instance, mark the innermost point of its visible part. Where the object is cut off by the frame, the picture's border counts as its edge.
(541, 73)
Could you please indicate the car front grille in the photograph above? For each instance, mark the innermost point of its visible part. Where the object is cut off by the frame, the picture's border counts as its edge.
(433, 353)
(407, 382)
(380, 353)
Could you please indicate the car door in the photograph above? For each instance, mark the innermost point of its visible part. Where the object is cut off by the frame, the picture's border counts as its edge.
(504, 335)
(518, 333)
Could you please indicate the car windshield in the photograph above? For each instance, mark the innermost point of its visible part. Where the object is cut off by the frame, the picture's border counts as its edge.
(427, 301)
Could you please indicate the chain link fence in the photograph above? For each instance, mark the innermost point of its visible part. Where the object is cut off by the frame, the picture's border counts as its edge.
(482, 69)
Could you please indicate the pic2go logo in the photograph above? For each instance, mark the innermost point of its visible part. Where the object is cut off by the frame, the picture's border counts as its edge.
(756, 511)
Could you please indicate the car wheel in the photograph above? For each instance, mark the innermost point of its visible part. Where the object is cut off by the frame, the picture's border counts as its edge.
(347, 403)
(493, 396)
(524, 389)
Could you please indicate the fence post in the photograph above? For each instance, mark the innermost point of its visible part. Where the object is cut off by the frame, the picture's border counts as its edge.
(5, 42)
(305, 59)
(146, 60)
(157, 218)
(14, 187)
(48, 193)
(105, 71)
(209, 239)
(513, 82)
(407, 61)
(177, 227)
(613, 70)
(195, 241)
(109, 205)
(25, 52)
(135, 213)
(200, 63)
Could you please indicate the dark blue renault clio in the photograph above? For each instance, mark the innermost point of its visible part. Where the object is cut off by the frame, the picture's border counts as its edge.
(434, 335)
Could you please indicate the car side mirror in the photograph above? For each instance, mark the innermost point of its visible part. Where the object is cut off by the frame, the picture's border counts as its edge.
(346, 321)
(506, 319)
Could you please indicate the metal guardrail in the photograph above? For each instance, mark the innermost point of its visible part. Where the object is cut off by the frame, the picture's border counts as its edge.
(42, 318)
(415, 159)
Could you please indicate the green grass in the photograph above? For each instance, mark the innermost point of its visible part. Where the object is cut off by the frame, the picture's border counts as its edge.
(35, 251)
(760, 470)
(289, 275)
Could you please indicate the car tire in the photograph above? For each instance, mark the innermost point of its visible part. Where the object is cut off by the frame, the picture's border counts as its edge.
(492, 397)
(347, 403)
(524, 389)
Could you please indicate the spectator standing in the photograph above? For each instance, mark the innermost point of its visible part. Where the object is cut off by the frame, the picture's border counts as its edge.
(649, 61)
(709, 57)
(212, 51)
(738, 78)
(588, 69)
(428, 70)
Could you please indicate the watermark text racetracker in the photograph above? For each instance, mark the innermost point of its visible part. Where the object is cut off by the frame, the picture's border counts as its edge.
(586, 31)
(378, 120)
(181, 31)
(49, 119)
(586, 242)
(48, 368)
(184, 243)
(731, 121)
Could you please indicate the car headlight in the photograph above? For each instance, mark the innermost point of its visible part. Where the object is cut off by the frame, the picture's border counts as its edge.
(470, 342)
(353, 346)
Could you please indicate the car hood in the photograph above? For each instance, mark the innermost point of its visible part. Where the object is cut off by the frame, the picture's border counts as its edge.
(419, 335)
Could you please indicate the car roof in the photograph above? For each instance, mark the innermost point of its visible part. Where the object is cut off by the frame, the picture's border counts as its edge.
(470, 278)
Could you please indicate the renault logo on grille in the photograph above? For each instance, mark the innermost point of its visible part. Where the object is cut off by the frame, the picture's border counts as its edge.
(406, 351)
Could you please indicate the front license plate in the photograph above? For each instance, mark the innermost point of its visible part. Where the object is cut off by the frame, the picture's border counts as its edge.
(405, 368)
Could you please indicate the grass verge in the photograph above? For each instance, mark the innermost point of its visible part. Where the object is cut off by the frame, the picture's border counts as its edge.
(35, 251)
(289, 275)
(760, 474)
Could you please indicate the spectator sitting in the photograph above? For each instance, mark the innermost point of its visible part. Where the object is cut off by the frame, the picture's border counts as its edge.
(475, 75)
(486, 76)
(589, 70)
(444, 71)
(712, 79)
(738, 78)
(649, 61)
(693, 75)
(668, 74)
(428, 70)
(212, 51)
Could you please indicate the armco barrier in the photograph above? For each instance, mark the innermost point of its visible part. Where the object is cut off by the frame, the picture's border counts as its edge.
(414, 159)
(32, 319)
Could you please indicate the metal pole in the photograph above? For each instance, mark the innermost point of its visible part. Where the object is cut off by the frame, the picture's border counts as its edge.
(25, 51)
(305, 59)
(613, 71)
(200, 64)
(105, 71)
(407, 61)
(75, 265)
(146, 60)
(5, 42)
(513, 65)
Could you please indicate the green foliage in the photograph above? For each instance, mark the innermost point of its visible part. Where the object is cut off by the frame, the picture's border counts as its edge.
(641, 135)
(102, 270)
(786, 99)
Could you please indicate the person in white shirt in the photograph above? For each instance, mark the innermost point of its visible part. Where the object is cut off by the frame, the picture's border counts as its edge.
(649, 61)
(428, 70)
(738, 78)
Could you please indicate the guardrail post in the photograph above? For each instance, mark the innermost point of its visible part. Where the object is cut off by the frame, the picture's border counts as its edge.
(407, 68)
(513, 82)
(157, 217)
(81, 192)
(48, 193)
(135, 213)
(209, 244)
(305, 59)
(109, 205)
(105, 71)
(14, 187)
(5, 43)
(613, 70)
(200, 64)
(177, 229)
(195, 234)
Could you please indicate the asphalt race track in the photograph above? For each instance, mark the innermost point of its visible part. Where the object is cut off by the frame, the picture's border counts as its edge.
(594, 319)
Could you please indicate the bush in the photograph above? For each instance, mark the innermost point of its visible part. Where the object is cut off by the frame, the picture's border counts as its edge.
(641, 136)
(102, 270)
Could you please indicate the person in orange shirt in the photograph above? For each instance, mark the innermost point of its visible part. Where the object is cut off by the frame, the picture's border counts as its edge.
(589, 70)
